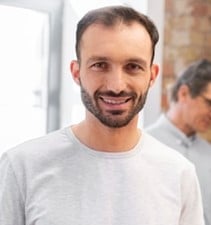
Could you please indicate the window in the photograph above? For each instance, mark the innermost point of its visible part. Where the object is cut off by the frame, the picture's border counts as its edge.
(30, 44)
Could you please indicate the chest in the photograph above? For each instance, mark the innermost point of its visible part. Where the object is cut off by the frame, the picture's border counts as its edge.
(103, 193)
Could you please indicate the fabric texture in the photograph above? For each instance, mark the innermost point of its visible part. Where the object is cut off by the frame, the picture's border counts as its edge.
(56, 180)
(194, 148)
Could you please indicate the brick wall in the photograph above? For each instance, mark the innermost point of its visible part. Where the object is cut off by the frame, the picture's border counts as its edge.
(187, 37)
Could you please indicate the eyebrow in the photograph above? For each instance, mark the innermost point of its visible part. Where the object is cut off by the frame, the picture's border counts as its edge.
(139, 61)
(132, 60)
(97, 58)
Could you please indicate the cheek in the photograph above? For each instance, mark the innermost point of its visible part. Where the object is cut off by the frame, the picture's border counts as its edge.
(142, 89)
(196, 115)
(88, 82)
(201, 111)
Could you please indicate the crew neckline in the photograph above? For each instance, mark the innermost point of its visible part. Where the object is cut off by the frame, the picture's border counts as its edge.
(103, 154)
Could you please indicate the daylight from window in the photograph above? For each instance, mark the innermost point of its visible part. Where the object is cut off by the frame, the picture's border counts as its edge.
(23, 75)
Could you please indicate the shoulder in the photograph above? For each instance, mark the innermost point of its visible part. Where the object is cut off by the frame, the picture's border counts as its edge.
(161, 153)
(39, 157)
(203, 147)
(168, 164)
(204, 143)
(40, 149)
(160, 127)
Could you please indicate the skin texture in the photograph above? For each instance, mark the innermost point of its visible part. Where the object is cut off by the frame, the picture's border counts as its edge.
(114, 74)
(191, 115)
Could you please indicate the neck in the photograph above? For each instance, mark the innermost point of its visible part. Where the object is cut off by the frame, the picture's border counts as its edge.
(97, 136)
(175, 115)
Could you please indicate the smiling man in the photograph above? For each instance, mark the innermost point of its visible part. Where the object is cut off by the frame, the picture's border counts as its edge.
(118, 81)
(103, 170)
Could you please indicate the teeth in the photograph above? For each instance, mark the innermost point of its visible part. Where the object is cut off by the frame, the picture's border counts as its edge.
(114, 101)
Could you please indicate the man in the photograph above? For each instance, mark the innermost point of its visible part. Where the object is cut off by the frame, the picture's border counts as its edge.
(190, 113)
(103, 170)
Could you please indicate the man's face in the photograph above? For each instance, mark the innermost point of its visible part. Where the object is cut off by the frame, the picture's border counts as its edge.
(198, 111)
(115, 72)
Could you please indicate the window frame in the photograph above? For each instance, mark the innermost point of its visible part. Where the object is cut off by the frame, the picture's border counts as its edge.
(55, 10)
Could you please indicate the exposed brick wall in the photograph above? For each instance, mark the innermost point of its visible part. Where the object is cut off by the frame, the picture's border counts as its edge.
(187, 37)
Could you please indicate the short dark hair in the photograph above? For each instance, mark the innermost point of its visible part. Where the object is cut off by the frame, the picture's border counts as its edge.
(196, 76)
(109, 16)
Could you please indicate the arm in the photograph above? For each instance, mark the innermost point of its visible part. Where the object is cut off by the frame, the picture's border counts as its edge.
(11, 201)
(192, 210)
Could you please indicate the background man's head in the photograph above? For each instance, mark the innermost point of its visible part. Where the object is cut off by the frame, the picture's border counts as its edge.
(196, 77)
(190, 98)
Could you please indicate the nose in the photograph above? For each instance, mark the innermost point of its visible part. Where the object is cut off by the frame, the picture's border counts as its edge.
(116, 80)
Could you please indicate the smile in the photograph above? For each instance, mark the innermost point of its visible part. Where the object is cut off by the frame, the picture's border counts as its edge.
(115, 101)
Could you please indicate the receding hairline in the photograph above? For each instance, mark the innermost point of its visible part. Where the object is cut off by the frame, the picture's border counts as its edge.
(114, 27)
(112, 15)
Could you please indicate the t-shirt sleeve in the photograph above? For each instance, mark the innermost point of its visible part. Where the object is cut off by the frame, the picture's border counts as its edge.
(11, 201)
(192, 210)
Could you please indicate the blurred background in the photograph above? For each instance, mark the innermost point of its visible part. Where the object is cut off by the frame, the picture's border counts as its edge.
(37, 43)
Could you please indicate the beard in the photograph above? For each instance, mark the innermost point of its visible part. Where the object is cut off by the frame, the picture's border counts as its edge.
(112, 119)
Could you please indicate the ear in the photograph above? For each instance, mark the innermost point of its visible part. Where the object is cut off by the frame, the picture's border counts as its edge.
(154, 72)
(75, 71)
(183, 92)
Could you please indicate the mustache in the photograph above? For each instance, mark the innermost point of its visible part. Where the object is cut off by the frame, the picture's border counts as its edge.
(113, 94)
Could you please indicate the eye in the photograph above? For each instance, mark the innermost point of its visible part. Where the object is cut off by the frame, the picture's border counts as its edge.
(134, 68)
(206, 100)
(99, 66)
(209, 102)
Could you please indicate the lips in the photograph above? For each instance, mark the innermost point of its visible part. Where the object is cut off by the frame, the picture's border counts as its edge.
(114, 101)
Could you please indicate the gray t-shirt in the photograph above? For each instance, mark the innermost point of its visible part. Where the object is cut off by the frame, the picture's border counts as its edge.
(56, 180)
(194, 148)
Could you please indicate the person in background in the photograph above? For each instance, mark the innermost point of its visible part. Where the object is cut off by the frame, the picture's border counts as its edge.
(103, 170)
(188, 115)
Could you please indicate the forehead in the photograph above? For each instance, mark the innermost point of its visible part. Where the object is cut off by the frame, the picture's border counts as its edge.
(127, 38)
(130, 30)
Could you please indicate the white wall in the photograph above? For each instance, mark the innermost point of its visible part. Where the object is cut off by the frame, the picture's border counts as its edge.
(153, 105)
